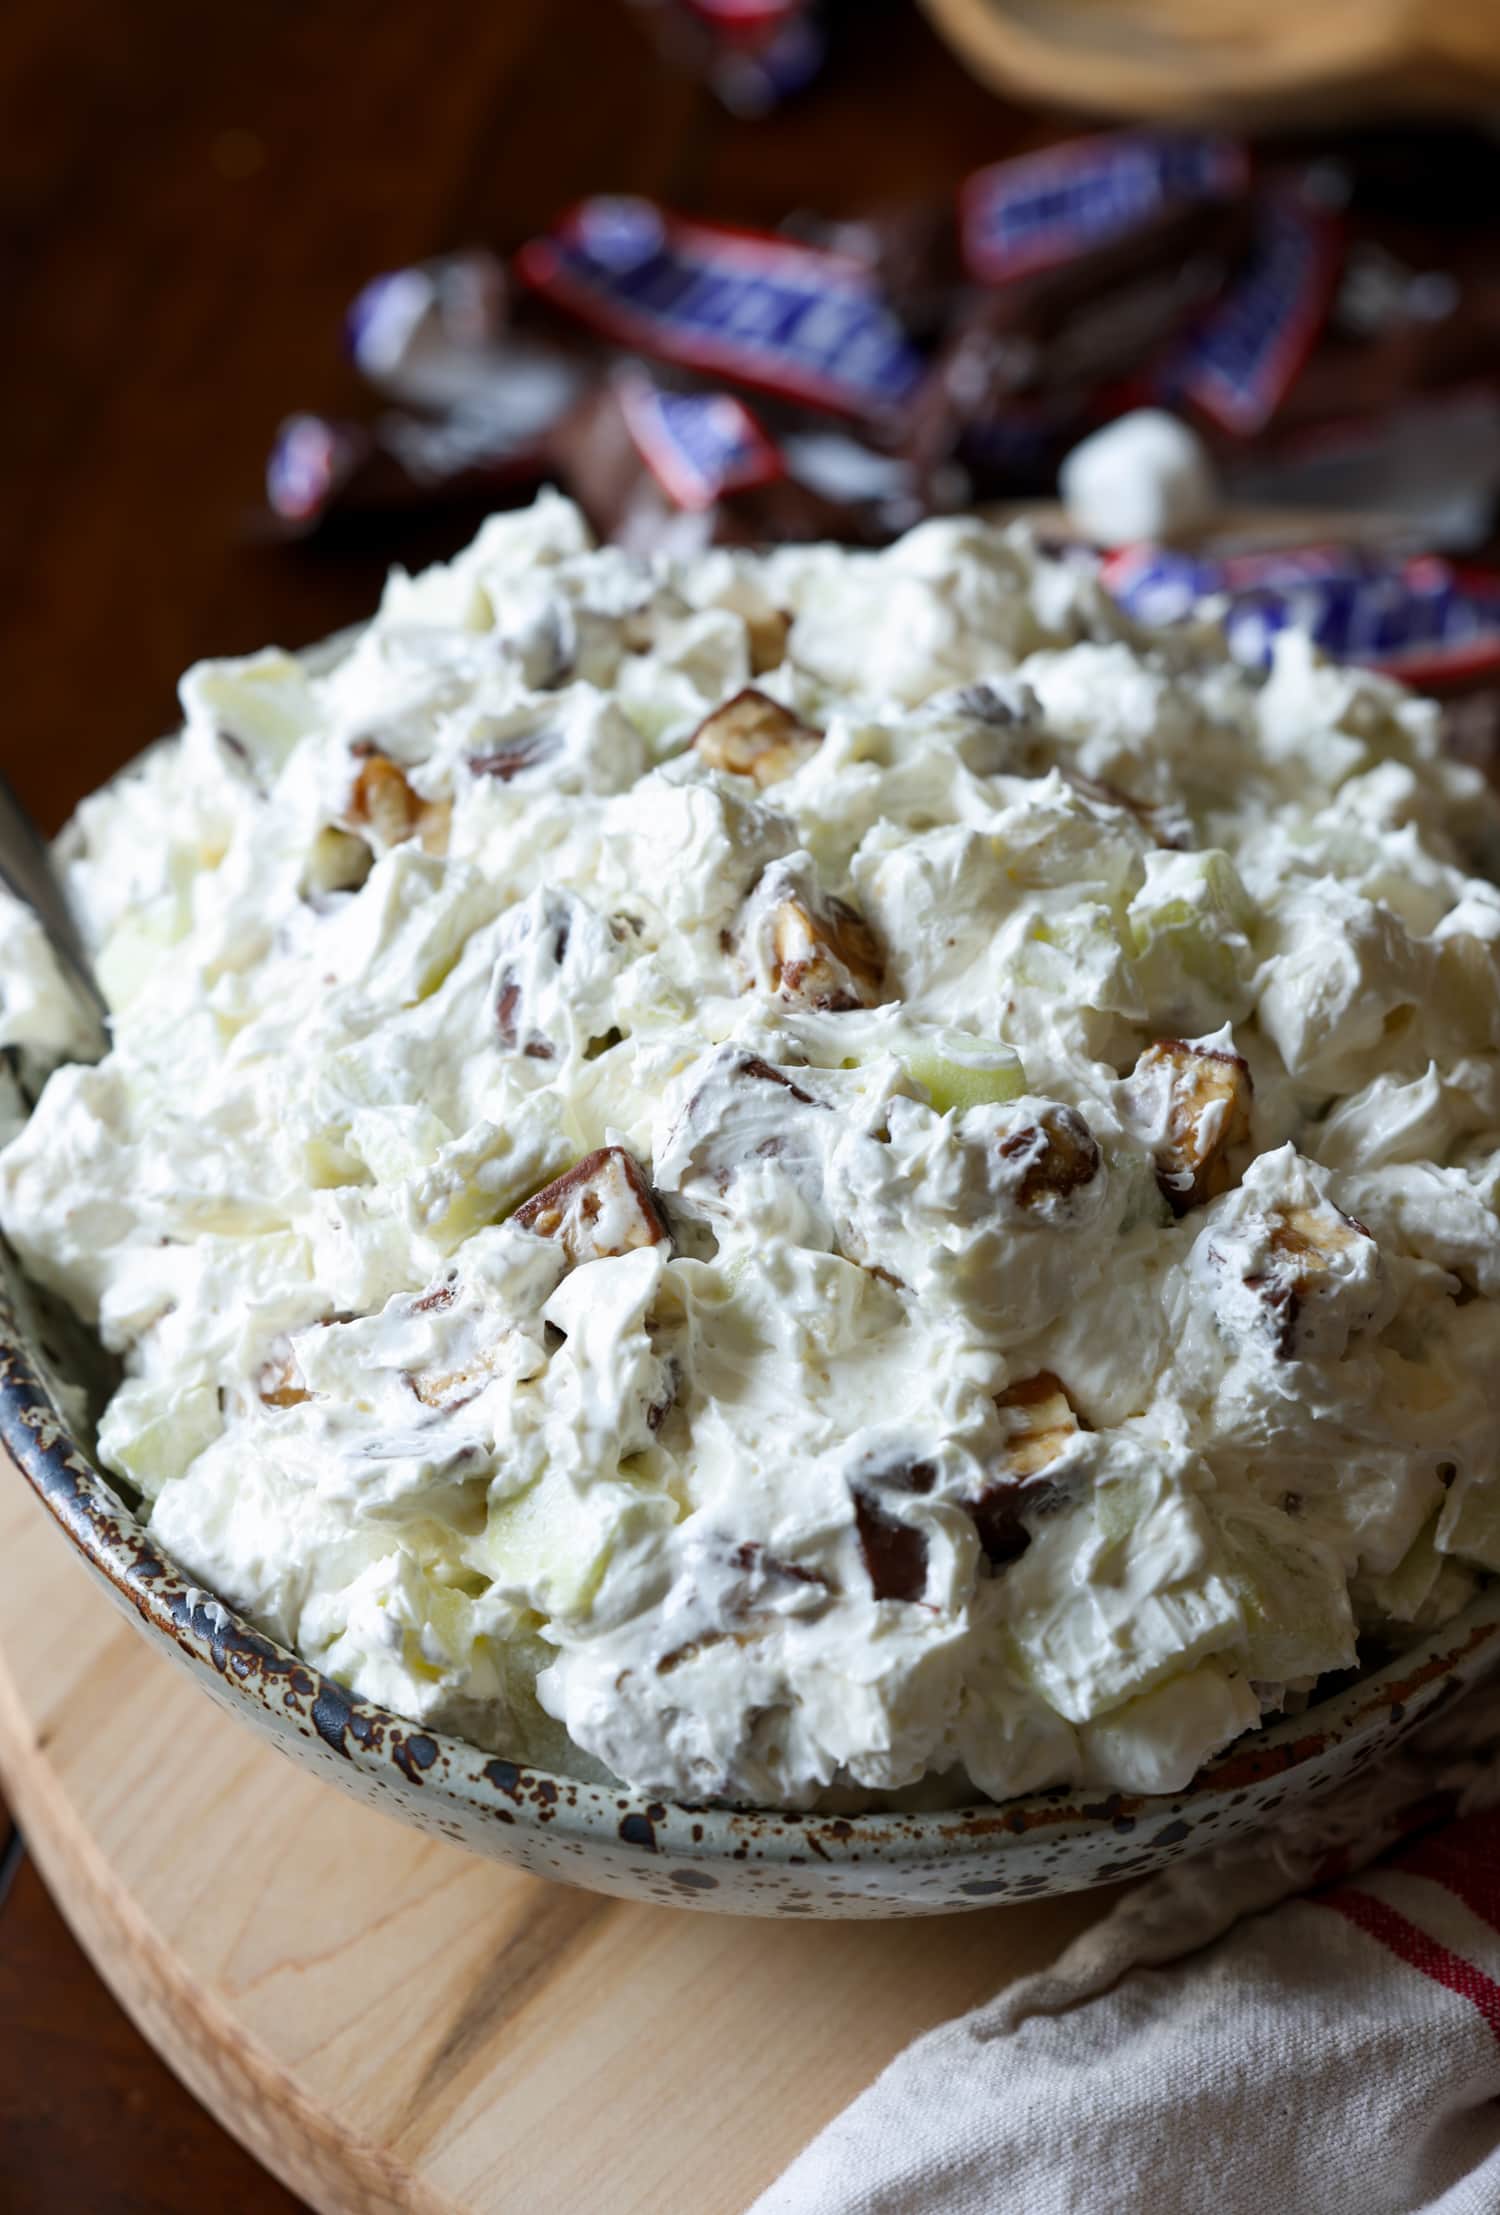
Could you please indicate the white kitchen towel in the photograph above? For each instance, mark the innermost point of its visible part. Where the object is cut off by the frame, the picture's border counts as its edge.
(1247, 2034)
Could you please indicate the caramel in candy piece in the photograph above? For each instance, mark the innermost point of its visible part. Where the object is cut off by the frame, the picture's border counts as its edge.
(1054, 1157)
(280, 1381)
(1208, 1114)
(382, 800)
(753, 735)
(450, 1388)
(599, 1208)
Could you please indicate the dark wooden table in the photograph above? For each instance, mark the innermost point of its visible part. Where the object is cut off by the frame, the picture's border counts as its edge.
(191, 195)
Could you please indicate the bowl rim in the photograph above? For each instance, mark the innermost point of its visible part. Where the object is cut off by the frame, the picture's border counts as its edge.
(255, 1672)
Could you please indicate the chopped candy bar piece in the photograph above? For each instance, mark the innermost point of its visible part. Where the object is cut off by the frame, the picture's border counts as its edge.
(600, 1208)
(1040, 1422)
(381, 800)
(753, 735)
(738, 1592)
(337, 861)
(748, 1126)
(528, 750)
(450, 1388)
(280, 1381)
(1282, 1264)
(1310, 1248)
(809, 949)
(767, 635)
(1198, 1102)
(1054, 1156)
(894, 1553)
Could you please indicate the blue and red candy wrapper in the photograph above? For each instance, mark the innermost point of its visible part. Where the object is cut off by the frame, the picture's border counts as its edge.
(1244, 356)
(1037, 211)
(1423, 620)
(760, 310)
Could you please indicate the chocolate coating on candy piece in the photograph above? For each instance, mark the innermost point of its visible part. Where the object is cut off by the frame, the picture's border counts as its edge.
(526, 751)
(753, 735)
(761, 1072)
(600, 1208)
(894, 1553)
(1054, 1157)
(1041, 1423)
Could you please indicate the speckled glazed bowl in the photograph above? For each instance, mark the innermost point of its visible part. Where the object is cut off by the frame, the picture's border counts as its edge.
(621, 1842)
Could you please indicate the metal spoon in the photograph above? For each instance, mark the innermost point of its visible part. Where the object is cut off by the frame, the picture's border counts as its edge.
(26, 871)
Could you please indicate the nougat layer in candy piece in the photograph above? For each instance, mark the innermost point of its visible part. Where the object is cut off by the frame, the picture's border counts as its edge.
(598, 1209)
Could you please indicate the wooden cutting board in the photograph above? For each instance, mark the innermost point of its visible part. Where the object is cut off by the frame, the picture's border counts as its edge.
(392, 2024)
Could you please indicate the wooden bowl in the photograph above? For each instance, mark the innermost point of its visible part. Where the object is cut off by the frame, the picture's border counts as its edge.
(1257, 61)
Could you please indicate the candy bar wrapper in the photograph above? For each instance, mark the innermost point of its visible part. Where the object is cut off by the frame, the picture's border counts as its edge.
(1048, 209)
(320, 468)
(417, 334)
(910, 251)
(658, 469)
(759, 310)
(1423, 620)
(1239, 364)
(442, 336)
(1029, 366)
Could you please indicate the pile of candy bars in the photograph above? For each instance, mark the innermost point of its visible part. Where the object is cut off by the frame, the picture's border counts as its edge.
(1328, 327)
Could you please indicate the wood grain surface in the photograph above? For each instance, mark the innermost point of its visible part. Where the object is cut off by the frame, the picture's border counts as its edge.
(388, 2022)
(189, 197)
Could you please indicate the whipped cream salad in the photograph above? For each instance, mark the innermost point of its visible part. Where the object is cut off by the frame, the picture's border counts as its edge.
(789, 1175)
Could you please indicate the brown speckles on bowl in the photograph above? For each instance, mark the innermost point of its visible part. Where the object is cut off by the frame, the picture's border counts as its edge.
(626, 1843)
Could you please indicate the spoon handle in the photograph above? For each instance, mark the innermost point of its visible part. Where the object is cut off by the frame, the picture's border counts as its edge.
(26, 871)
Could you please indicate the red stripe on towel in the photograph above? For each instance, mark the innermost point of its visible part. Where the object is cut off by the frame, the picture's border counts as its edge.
(1415, 1946)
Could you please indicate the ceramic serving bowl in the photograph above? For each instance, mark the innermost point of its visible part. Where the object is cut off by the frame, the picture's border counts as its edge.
(622, 1842)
